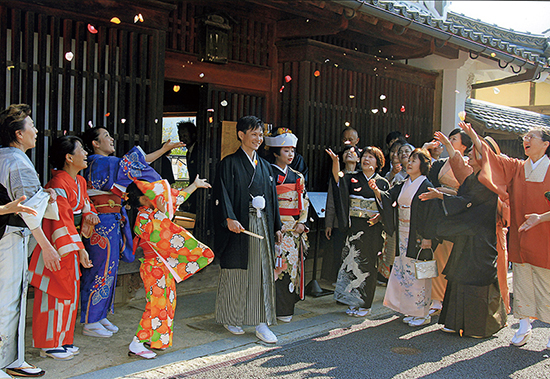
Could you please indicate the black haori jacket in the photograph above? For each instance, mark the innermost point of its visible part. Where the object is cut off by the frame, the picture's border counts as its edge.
(235, 181)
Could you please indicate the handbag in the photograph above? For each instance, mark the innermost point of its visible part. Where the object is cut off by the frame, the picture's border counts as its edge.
(425, 269)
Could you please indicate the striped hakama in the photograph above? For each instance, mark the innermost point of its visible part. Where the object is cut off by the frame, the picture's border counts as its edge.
(247, 297)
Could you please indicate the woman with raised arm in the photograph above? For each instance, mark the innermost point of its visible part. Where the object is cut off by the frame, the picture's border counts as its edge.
(472, 305)
(56, 292)
(461, 170)
(414, 229)
(18, 179)
(525, 181)
(358, 216)
(108, 177)
(350, 160)
(442, 177)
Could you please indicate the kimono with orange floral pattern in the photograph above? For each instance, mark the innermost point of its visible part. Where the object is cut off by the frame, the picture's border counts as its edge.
(169, 249)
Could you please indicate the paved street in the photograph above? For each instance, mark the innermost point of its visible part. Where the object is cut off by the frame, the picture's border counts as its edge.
(383, 348)
(321, 341)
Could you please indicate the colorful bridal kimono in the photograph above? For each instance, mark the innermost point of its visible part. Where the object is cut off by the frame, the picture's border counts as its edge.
(355, 206)
(289, 262)
(172, 254)
(111, 240)
(56, 292)
(18, 177)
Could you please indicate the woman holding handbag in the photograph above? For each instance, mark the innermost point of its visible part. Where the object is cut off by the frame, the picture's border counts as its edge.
(405, 293)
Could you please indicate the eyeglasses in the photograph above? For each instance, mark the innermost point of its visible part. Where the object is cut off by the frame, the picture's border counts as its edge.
(529, 137)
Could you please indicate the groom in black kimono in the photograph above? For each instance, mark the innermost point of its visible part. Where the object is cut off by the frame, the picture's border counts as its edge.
(246, 200)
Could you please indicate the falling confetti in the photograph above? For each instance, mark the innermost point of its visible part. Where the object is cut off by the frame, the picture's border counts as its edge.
(336, 65)
(382, 97)
(496, 90)
(375, 111)
(406, 136)
(176, 88)
(64, 132)
(341, 174)
(462, 115)
(347, 123)
(69, 56)
(327, 60)
(317, 73)
(90, 124)
(123, 120)
(493, 55)
(107, 114)
(384, 109)
(92, 29)
(288, 78)
(352, 96)
(210, 119)
(138, 17)
(457, 91)
(201, 75)
(156, 120)
(10, 67)
(353, 180)
(282, 88)
(115, 20)
(347, 142)
(358, 189)
(402, 109)
(224, 103)
(210, 110)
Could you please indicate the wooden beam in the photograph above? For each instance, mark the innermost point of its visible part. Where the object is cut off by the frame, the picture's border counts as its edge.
(309, 28)
(396, 52)
(187, 68)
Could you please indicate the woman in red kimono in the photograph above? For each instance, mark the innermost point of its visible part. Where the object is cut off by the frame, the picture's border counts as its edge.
(57, 292)
(171, 254)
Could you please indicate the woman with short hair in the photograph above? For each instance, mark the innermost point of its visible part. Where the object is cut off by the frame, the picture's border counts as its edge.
(405, 293)
(18, 178)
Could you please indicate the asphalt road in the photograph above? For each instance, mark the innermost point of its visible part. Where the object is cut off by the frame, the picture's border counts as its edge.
(387, 348)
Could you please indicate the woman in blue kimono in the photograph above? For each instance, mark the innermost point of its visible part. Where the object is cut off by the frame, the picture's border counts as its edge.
(108, 177)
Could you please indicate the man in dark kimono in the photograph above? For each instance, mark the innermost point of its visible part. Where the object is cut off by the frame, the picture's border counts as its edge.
(246, 200)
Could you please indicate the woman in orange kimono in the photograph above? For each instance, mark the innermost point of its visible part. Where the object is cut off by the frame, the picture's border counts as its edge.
(171, 254)
(525, 182)
(57, 292)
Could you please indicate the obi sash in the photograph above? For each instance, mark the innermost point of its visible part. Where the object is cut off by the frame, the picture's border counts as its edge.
(289, 197)
(107, 203)
(362, 207)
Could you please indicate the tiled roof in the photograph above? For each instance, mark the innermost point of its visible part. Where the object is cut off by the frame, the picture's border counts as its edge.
(504, 119)
(519, 49)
